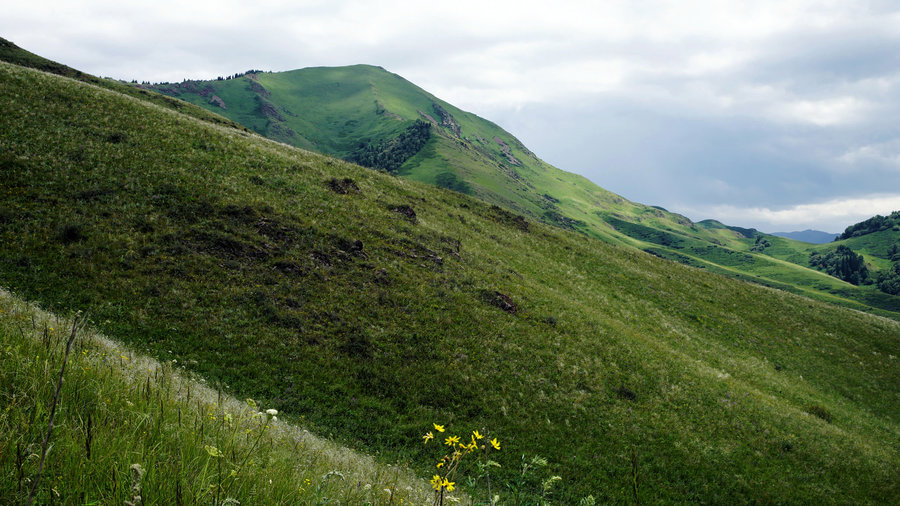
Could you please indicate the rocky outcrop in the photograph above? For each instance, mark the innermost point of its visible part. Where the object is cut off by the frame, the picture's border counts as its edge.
(270, 111)
(259, 89)
(447, 120)
(428, 117)
(215, 100)
(507, 152)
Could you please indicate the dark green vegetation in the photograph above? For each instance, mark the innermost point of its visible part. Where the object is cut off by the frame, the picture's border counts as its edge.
(372, 306)
(873, 225)
(842, 263)
(370, 116)
(390, 155)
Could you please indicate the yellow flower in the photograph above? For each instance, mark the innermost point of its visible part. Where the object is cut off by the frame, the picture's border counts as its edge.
(495, 444)
(436, 482)
(451, 440)
(440, 465)
(477, 434)
(439, 428)
(448, 485)
(428, 437)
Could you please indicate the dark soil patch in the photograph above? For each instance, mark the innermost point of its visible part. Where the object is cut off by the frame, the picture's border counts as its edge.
(288, 267)
(70, 232)
(406, 211)
(820, 412)
(343, 186)
(625, 393)
(505, 217)
(499, 300)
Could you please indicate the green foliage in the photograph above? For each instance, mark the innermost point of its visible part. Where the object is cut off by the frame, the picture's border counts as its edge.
(390, 154)
(262, 268)
(894, 253)
(889, 281)
(875, 224)
(842, 263)
(761, 244)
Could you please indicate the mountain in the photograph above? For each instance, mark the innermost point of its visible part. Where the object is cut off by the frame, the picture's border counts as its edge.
(370, 116)
(369, 307)
(810, 236)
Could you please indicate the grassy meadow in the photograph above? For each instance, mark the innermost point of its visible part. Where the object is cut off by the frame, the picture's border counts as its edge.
(367, 307)
(336, 110)
(129, 429)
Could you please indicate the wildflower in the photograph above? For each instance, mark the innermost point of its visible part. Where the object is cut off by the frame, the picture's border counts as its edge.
(439, 428)
(495, 444)
(477, 435)
(436, 482)
(451, 440)
(439, 465)
(271, 412)
(449, 485)
(428, 437)
(213, 451)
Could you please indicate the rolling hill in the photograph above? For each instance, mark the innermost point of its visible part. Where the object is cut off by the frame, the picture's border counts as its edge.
(810, 236)
(369, 307)
(368, 115)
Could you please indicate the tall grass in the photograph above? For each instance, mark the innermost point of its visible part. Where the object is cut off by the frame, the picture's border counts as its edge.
(131, 430)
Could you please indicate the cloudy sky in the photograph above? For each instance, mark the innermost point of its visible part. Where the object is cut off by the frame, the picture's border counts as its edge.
(779, 115)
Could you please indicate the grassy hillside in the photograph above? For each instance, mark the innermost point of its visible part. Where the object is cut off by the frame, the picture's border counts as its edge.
(345, 110)
(876, 239)
(12, 53)
(370, 307)
(126, 426)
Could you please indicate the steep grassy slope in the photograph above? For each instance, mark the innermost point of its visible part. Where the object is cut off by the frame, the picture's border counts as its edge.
(371, 306)
(343, 110)
(12, 53)
(193, 445)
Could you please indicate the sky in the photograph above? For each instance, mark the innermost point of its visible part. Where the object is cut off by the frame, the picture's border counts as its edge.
(777, 115)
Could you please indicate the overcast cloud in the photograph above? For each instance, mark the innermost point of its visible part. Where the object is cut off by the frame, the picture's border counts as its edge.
(778, 115)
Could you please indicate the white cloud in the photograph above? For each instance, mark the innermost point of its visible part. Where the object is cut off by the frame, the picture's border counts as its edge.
(885, 154)
(827, 112)
(827, 216)
(785, 88)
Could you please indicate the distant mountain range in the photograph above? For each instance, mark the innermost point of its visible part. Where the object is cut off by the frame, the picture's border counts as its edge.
(810, 236)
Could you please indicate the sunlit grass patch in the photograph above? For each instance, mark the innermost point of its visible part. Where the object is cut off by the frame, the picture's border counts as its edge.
(132, 430)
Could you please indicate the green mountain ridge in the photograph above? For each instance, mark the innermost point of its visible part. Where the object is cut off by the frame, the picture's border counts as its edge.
(364, 113)
(368, 307)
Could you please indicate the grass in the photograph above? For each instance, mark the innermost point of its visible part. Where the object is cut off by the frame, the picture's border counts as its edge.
(237, 257)
(335, 109)
(133, 430)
